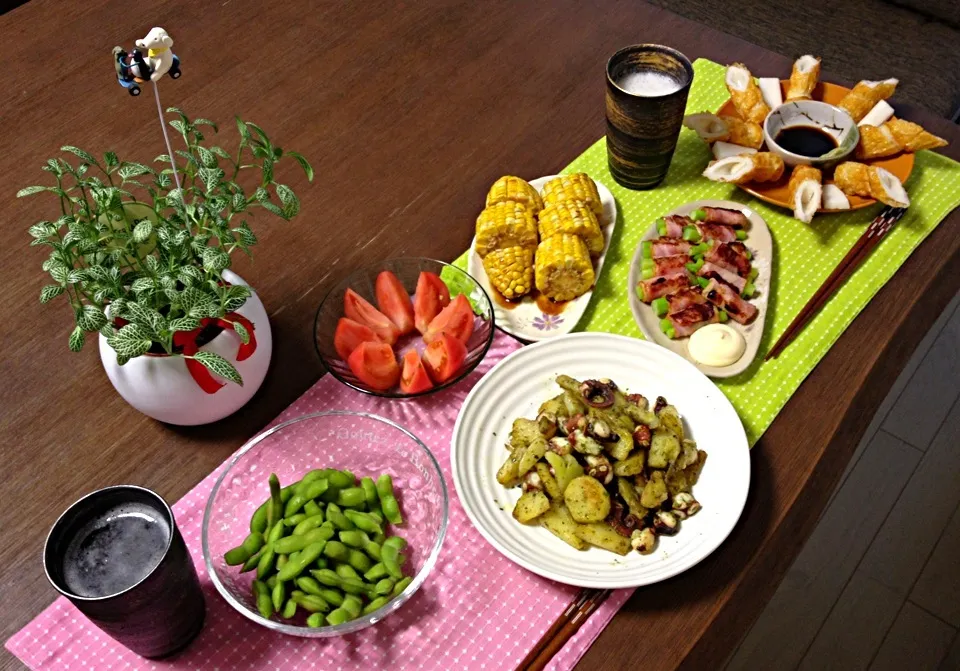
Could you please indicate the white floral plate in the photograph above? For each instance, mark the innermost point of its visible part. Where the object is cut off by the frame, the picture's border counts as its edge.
(517, 386)
(524, 319)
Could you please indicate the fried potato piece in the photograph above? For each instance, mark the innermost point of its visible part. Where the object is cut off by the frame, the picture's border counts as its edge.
(587, 500)
(559, 522)
(530, 506)
(664, 449)
(603, 536)
(550, 483)
(655, 492)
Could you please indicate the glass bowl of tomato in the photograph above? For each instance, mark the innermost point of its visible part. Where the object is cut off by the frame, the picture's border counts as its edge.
(404, 327)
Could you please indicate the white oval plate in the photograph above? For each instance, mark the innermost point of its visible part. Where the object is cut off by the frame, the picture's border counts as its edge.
(517, 386)
(759, 243)
(525, 320)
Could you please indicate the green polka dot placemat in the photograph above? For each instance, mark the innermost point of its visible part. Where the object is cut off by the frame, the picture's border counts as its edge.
(804, 255)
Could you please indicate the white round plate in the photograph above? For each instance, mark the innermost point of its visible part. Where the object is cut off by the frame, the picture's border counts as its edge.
(524, 319)
(517, 386)
(759, 243)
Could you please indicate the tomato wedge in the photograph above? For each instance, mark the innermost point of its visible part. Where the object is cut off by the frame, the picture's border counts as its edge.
(357, 308)
(394, 301)
(432, 296)
(375, 365)
(349, 334)
(444, 357)
(414, 378)
(455, 320)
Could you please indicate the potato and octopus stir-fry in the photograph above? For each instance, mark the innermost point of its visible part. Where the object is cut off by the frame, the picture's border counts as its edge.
(600, 467)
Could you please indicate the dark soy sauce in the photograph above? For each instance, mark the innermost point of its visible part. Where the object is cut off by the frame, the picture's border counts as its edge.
(808, 141)
(115, 550)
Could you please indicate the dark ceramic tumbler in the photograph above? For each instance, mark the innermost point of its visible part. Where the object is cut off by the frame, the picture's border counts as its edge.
(118, 556)
(647, 87)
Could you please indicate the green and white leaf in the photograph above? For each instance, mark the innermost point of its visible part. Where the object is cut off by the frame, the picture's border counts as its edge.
(142, 230)
(76, 151)
(49, 292)
(76, 340)
(217, 365)
(242, 332)
(307, 168)
(91, 318)
(291, 204)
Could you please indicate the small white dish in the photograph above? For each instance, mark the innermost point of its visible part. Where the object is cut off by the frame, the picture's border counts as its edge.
(759, 243)
(812, 113)
(525, 319)
(517, 386)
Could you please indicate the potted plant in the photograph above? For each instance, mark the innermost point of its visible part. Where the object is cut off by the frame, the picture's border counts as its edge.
(144, 262)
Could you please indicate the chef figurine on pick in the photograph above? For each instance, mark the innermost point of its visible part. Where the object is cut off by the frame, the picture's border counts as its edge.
(133, 68)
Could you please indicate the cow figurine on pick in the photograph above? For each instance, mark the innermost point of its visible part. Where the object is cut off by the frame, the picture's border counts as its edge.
(134, 69)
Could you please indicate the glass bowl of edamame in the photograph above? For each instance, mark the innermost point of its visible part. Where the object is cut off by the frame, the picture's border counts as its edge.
(325, 524)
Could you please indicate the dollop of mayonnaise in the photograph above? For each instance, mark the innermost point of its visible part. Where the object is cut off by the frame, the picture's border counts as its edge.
(717, 345)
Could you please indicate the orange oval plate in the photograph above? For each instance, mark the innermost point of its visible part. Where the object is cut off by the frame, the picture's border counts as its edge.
(777, 193)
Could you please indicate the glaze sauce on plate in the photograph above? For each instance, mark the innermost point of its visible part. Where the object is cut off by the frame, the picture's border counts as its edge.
(808, 141)
(546, 305)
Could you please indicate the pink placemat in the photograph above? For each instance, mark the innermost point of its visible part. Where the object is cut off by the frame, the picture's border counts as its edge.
(477, 610)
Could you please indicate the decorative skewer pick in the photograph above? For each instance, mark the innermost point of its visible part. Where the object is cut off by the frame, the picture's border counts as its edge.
(133, 69)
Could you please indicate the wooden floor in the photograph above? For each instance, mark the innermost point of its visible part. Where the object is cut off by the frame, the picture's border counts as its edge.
(877, 586)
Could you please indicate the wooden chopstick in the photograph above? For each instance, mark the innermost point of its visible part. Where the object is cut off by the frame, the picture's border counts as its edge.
(871, 237)
(577, 612)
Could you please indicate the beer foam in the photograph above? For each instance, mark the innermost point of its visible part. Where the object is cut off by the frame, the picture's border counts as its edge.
(650, 83)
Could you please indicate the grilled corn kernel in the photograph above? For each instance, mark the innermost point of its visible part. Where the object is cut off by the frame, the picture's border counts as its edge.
(573, 218)
(563, 268)
(515, 189)
(507, 224)
(510, 271)
(578, 186)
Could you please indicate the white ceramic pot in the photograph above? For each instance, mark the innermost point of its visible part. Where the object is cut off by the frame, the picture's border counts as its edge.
(161, 386)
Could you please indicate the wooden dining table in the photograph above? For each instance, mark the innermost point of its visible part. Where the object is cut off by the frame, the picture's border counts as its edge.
(408, 111)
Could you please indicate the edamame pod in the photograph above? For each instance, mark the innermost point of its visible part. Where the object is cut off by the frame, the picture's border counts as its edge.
(363, 521)
(276, 533)
(316, 620)
(332, 596)
(348, 585)
(309, 585)
(341, 479)
(289, 609)
(400, 586)
(359, 560)
(308, 524)
(275, 507)
(336, 551)
(377, 603)
(353, 538)
(311, 603)
(376, 572)
(351, 497)
(321, 563)
(309, 477)
(370, 493)
(388, 555)
(298, 543)
(336, 517)
(297, 565)
(240, 554)
(311, 491)
(267, 560)
(251, 563)
(262, 596)
(279, 595)
(294, 520)
(258, 522)
(281, 561)
(312, 508)
(388, 502)
(271, 581)
(373, 550)
(347, 571)
(397, 542)
(352, 605)
(338, 616)
(384, 587)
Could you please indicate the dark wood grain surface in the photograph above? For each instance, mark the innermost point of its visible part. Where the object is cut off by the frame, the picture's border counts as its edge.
(408, 111)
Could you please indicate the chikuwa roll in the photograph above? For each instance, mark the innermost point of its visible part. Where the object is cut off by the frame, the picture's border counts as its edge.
(865, 95)
(803, 78)
(745, 94)
(859, 179)
(712, 128)
(708, 126)
(893, 137)
(723, 149)
(760, 167)
(832, 198)
(806, 192)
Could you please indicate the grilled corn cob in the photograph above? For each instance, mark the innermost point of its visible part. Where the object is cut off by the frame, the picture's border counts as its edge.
(507, 224)
(563, 268)
(510, 271)
(575, 218)
(577, 186)
(515, 189)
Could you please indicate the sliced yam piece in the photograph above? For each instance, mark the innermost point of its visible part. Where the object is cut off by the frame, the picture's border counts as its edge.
(880, 114)
(833, 198)
(771, 92)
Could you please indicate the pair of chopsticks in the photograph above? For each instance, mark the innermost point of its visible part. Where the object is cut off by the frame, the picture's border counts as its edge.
(871, 237)
(577, 612)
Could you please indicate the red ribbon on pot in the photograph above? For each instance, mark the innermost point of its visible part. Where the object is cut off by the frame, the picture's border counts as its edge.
(187, 341)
